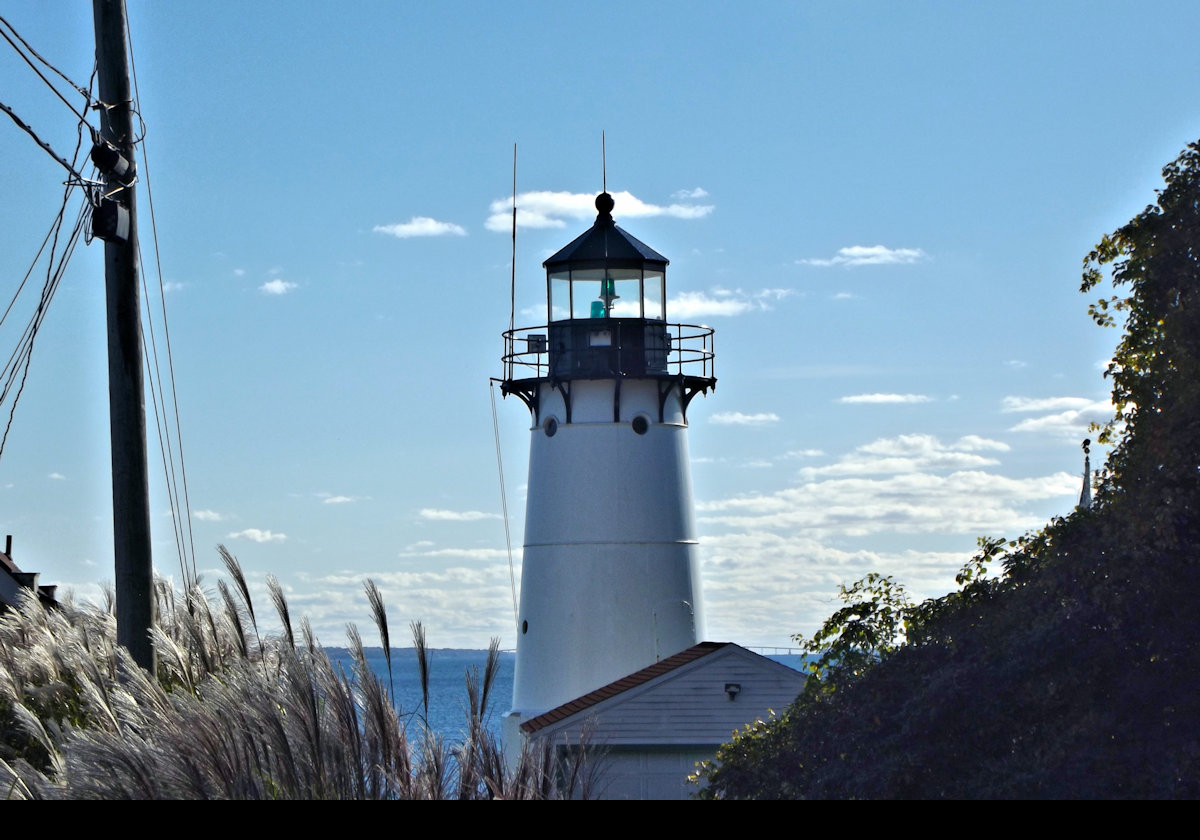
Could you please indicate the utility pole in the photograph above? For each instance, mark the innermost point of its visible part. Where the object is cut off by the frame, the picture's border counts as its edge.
(126, 395)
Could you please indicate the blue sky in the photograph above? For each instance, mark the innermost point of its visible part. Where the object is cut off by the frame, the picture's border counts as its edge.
(881, 208)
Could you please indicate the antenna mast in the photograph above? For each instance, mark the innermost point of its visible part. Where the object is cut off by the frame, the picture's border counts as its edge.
(512, 293)
(603, 164)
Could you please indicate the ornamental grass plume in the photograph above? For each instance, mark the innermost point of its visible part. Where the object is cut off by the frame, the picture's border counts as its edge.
(231, 713)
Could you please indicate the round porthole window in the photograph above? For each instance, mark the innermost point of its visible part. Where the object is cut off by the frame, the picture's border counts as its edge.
(550, 426)
(640, 425)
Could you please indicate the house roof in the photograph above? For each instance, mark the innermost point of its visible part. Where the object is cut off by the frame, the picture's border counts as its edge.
(12, 580)
(7, 564)
(658, 669)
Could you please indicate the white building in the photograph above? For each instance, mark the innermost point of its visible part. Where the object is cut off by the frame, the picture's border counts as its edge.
(610, 585)
(645, 732)
(609, 580)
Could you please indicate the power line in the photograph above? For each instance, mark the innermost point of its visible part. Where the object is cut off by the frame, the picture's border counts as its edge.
(86, 94)
(184, 519)
(49, 84)
(46, 146)
(22, 356)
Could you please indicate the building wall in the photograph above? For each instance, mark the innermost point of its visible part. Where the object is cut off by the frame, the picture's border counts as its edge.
(645, 742)
(690, 706)
(610, 573)
(646, 773)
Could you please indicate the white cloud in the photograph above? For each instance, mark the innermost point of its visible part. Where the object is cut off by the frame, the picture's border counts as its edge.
(844, 296)
(967, 502)
(737, 418)
(907, 454)
(869, 255)
(686, 305)
(461, 605)
(803, 453)
(762, 585)
(258, 536)
(885, 398)
(277, 287)
(337, 498)
(57, 476)
(722, 302)
(239, 272)
(550, 209)
(771, 561)
(456, 515)
(421, 226)
(464, 553)
(1067, 423)
(208, 516)
(971, 443)
(173, 286)
(1016, 364)
(690, 195)
(1068, 417)
(1044, 404)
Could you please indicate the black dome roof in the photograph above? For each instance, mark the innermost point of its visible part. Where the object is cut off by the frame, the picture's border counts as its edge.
(606, 246)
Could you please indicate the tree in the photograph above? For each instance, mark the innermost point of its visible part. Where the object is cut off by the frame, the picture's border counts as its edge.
(1156, 366)
(854, 638)
(1072, 673)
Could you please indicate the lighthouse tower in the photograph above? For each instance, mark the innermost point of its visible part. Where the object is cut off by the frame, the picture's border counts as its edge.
(609, 581)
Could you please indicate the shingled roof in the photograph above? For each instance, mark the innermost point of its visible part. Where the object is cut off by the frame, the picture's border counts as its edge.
(579, 704)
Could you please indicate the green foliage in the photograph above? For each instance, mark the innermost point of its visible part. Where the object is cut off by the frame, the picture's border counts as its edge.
(748, 763)
(1072, 673)
(854, 638)
(1155, 370)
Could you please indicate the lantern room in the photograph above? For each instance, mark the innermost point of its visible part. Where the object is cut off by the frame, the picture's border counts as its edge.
(606, 318)
(606, 303)
(606, 273)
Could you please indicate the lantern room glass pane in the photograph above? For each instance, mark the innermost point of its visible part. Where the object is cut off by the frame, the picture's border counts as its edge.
(655, 295)
(560, 295)
(585, 292)
(628, 301)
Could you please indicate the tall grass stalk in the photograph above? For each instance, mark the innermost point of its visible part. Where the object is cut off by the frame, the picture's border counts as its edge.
(231, 715)
(418, 635)
(379, 615)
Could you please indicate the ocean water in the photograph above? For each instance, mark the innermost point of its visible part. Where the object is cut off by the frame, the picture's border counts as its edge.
(448, 688)
(448, 670)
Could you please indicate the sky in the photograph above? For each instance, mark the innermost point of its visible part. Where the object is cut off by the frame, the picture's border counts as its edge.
(881, 208)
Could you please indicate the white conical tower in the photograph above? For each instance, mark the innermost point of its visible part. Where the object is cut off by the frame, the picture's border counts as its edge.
(610, 580)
